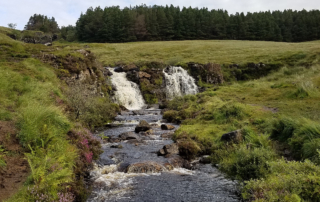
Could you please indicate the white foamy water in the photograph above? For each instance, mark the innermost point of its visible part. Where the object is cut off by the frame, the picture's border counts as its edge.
(182, 171)
(128, 93)
(179, 82)
(111, 184)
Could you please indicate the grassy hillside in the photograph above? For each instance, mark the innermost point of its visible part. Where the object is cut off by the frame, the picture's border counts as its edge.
(44, 150)
(221, 52)
(277, 150)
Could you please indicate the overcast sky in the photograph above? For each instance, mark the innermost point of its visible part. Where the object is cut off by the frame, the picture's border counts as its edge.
(68, 11)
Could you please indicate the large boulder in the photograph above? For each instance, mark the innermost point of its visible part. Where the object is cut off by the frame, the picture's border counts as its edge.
(234, 136)
(143, 126)
(169, 150)
(129, 136)
(167, 127)
(145, 167)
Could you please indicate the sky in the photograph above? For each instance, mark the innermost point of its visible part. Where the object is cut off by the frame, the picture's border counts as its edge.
(67, 12)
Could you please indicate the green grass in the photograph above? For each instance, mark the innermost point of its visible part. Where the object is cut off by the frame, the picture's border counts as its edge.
(27, 97)
(276, 113)
(27, 87)
(221, 52)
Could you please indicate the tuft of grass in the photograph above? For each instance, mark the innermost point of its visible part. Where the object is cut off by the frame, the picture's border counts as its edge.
(247, 163)
(286, 181)
(2, 161)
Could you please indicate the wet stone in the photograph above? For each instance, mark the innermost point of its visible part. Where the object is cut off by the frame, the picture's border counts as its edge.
(129, 136)
(146, 167)
(167, 127)
(143, 126)
(167, 135)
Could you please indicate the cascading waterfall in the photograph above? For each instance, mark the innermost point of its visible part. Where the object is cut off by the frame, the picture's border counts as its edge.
(179, 82)
(128, 93)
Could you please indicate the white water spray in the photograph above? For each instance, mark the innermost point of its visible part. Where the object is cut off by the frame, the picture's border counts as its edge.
(128, 93)
(179, 82)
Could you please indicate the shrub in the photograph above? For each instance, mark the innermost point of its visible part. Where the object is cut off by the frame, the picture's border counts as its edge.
(301, 135)
(286, 181)
(172, 116)
(305, 89)
(39, 125)
(90, 111)
(188, 148)
(229, 112)
(246, 163)
(89, 149)
(282, 129)
(255, 140)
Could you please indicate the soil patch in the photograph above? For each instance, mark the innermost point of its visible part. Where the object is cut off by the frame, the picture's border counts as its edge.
(15, 173)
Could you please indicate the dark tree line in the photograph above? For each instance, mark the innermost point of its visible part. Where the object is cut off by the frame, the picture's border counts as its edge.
(42, 23)
(141, 23)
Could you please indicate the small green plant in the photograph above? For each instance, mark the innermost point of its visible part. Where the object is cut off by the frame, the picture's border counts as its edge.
(246, 163)
(305, 89)
(2, 153)
(286, 181)
(103, 137)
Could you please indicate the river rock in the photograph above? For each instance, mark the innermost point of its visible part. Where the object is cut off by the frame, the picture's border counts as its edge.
(145, 167)
(148, 132)
(234, 136)
(205, 159)
(123, 166)
(118, 69)
(167, 135)
(105, 160)
(143, 126)
(168, 166)
(114, 140)
(167, 127)
(119, 146)
(169, 150)
(129, 136)
(178, 162)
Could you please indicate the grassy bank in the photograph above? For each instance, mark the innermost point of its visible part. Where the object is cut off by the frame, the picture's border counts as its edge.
(42, 143)
(221, 52)
(277, 153)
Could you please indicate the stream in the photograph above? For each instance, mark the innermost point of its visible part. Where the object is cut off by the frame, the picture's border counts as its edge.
(131, 170)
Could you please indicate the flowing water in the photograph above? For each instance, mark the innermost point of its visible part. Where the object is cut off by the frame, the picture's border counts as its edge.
(163, 179)
(128, 93)
(178, 82)
(112, 182)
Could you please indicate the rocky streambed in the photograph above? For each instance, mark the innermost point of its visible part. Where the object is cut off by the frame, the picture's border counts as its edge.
(140, 162)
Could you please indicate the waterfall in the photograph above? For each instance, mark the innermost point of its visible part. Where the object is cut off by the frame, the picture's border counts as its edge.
(128, 93)
(178, 82)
